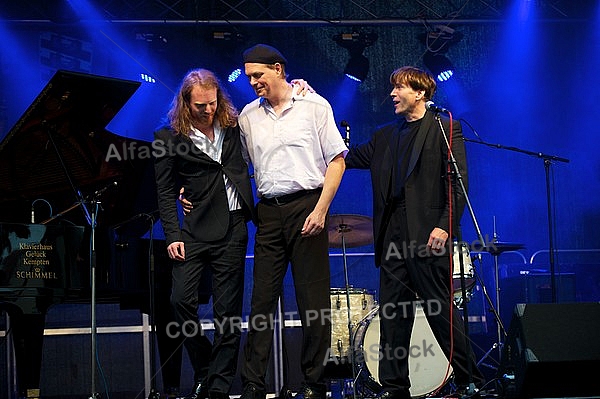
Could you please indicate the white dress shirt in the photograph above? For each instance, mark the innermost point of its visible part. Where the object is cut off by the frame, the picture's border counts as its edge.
(290, 152)
(214, 149)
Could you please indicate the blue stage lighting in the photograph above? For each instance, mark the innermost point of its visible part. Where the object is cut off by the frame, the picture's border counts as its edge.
(357, 68)
(439, 65)
(234, 75)
(445, 75)
(147, 78)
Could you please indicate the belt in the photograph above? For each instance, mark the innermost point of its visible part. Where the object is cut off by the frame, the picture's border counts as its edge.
(287, 198)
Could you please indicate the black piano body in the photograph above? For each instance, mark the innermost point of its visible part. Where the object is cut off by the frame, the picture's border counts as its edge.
(54, 175)
(39, 266)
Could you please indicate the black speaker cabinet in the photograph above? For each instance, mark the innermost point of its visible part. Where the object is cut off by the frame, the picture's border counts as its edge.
(553, 350)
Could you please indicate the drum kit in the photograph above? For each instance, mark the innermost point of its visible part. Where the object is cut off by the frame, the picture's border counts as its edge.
(355, 349)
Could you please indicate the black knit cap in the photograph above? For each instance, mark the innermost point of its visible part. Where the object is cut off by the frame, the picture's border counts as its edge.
(263, 54)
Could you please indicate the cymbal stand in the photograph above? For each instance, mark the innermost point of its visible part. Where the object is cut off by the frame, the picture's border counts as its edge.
(501, 329)
(343, 228)
(499, 325)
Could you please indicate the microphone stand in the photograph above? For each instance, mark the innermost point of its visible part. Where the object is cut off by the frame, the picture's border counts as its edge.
(458, 178)
(90, 218)
(154, 393)
(94, 329)
(547, 159)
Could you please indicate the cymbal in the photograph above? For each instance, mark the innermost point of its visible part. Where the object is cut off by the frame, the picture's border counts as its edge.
(498, 247)
(357, 230)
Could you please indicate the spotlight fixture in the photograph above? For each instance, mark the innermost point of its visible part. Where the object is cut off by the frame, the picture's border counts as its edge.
(229, 42)
(439, 65)
(155, 41)
(357, 67)
(228, 36)
(438, 39)
(147, 78)
(234, 75)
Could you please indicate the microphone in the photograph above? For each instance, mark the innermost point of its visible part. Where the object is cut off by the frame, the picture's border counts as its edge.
(98, 193)
(346, 126)
(430, 105)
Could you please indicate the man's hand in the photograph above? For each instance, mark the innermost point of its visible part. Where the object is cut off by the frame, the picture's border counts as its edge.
(303, 86)
(437, 240)
(185, 204)
(176, 251)
(314, 223)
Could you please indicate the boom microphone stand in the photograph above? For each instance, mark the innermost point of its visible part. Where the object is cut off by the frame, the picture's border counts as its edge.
(547, 159)
(459, 180)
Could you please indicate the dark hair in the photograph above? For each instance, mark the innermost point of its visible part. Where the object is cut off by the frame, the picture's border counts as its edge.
(415, 78)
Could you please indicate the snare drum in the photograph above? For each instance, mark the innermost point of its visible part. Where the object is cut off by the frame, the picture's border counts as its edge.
(362, 302)
(426, 372)
(462, 251)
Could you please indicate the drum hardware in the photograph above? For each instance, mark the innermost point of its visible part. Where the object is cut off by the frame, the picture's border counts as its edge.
(362, 303)
(349, 231)
(461, 250)
(496, 248)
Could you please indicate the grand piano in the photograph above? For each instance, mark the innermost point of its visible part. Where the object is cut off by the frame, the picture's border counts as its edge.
(61, 171)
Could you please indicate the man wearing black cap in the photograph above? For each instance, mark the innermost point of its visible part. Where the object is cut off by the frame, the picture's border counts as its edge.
(298, 158)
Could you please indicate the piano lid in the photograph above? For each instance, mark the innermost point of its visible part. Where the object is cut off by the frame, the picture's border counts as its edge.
(72, 110)
(59, 151)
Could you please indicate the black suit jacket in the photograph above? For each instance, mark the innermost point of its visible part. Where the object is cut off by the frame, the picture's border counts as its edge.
(426, 185)
(179, 163)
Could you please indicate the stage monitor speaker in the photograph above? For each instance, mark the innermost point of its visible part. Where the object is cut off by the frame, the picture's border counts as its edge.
(553, 350)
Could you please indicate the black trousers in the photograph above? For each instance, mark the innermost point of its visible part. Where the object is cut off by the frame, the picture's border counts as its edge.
(278, 242)
(214, 364)
(402, 279)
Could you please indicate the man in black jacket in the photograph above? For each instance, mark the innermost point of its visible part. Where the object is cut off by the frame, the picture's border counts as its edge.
(200, 151)
(414, 220)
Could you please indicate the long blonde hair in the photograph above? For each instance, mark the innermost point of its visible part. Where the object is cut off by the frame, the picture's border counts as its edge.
(180, 115)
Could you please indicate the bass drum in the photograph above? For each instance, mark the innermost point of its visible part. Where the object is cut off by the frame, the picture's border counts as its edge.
(427, 371)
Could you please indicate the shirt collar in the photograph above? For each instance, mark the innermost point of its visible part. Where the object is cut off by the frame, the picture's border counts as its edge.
(263, 102)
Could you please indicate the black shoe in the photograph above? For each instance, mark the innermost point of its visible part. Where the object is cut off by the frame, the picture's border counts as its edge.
(199, 392)
(251, 391)
(311, 392)
(402, 394)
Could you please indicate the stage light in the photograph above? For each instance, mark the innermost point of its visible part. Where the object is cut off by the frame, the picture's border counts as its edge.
(437, 40)
(439, 65)
(357, 67)
(234, 75)
(155, 41)
(147, 78)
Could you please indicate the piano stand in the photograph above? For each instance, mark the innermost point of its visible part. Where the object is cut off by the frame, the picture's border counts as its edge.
(27, 334)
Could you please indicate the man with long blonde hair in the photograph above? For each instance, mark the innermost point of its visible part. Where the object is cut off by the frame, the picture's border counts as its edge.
(199, 150)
